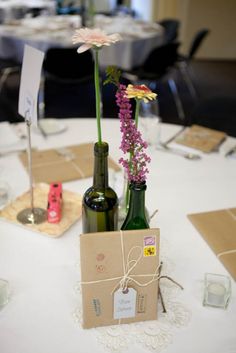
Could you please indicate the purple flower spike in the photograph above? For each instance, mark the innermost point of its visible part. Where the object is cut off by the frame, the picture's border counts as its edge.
(131, 142)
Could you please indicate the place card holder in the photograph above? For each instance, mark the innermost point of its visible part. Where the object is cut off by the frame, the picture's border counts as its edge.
(31, 215)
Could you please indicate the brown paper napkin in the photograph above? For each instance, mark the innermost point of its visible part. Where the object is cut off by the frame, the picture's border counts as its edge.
(201, 138)
(71, 210)
(218, 228)
(63, 164)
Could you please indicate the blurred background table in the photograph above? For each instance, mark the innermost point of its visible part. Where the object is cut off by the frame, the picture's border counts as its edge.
(15, 9)
(42, 272)
(139, 37)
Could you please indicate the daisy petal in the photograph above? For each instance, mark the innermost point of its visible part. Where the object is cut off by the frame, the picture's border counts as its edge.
(83, 48)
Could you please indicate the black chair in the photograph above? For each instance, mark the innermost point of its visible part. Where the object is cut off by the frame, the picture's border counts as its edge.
(68, 84)
(171, 27)
(157, 66)
(7, 67)
(9, 90)
(216, 112)
(195, 44)
(185, 60)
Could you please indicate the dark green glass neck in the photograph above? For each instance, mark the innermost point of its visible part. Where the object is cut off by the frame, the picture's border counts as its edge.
(137, 199)
(136, 217)
(100, 175)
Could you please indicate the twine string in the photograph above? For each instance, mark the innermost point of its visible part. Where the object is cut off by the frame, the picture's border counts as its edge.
(128, 267)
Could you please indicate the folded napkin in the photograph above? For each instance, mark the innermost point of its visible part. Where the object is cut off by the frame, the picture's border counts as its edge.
(201, 138)
(218, 228)
(63, 164)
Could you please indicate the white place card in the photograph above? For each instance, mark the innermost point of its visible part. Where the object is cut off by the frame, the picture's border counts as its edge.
(124, 303)
(29, 85)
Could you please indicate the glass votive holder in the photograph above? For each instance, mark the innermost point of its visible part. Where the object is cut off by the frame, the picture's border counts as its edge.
(217, 290)
(4, 292)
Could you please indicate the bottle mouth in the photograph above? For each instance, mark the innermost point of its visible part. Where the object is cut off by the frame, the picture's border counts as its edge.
(138, 185)
(101, 148)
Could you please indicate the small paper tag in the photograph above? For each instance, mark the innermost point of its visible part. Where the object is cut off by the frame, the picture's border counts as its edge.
(125, 304)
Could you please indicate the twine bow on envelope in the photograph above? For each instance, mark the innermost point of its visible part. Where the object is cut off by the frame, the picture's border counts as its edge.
(127, 277)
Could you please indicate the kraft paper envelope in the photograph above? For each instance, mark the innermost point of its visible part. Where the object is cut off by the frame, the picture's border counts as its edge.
(63, 164)
(103, 265)
(218, 228)
(201, 138)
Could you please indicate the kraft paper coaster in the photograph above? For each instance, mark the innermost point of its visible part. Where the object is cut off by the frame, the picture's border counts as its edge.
(218, 228)
(63, 164)
(71, 210)
(201, 138)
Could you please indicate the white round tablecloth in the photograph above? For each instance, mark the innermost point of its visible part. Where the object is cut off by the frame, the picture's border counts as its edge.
(44, 308)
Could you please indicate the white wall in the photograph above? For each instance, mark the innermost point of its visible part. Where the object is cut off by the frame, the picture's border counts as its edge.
(217, 15)
(143, 8)
(104, 5)
(220, 17)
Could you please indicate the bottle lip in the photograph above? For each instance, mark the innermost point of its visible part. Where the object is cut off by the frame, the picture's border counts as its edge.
(141, 185)
(101, 148)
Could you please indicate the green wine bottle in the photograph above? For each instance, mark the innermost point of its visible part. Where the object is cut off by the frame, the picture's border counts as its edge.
(100, 202)
(136, 216)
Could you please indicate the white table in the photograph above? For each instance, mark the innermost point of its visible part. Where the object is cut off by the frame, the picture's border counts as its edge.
(12, 9)
(46, 32)
(42, 271)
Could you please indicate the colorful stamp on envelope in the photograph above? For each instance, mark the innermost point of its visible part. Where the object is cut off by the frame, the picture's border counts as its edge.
(149, 240)
(97, 306)
(149, 245)
(149, 251)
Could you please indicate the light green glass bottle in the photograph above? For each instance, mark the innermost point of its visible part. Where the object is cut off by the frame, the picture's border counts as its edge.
(100, 202)
(136, 216)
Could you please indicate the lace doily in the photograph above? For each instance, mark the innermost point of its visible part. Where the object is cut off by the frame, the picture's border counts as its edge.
(151, 335)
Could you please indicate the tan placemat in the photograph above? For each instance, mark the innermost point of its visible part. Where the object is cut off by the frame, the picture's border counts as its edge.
(218, 228)
(71, 210)
(201, 138)
(63, 164)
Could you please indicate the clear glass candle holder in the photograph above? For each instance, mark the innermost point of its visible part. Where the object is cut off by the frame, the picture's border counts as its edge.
(4, 292)
(217, 290)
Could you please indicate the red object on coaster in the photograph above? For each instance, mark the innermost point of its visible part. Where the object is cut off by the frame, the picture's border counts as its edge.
(54, 208)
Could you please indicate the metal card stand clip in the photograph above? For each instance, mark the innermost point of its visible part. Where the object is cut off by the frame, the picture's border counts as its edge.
(32, 215)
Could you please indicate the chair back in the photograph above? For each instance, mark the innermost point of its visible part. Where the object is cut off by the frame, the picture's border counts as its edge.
(161, 58)
(197, 41)
(68, 83)
(66, 63)
(171, 27)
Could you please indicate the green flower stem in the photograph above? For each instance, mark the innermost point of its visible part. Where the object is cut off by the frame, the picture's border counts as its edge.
(137, 111)
(98, 97)
(131, 153)
(137, 107)
(127, 196)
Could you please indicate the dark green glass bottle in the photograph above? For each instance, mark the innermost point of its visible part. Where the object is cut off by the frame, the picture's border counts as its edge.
(136, 216)
(100, 202)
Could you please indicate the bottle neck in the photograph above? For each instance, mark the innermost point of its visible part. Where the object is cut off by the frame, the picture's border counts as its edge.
(137, 199)
(100, 175)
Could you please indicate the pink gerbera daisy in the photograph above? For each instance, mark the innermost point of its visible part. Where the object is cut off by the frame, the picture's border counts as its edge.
(95, 37)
